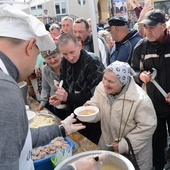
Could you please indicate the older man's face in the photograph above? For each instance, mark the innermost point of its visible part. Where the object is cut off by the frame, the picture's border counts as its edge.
(71, 51)
(155, 33)
(80, 31)
(114, 33)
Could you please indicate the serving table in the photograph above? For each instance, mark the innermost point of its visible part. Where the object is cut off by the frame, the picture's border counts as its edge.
(81, 142)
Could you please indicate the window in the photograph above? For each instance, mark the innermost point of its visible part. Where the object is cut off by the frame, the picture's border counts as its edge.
(33, 8)
(163, 5)
(57, 8)
(82, 2)
(60, 6)
(63, 7)
(37, 10)
(39, 7)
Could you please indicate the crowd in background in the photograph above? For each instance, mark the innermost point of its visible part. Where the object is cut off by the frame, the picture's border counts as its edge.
(144, 48)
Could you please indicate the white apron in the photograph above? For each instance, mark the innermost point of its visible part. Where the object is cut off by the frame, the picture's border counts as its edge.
(25, 160)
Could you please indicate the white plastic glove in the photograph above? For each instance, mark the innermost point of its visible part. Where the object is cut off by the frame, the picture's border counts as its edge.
(69, 126)
(89, 162)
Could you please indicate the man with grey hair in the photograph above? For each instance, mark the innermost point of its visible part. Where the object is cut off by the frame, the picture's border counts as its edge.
(55, 31)
(151, 53)
(125, 40)
(80, 73)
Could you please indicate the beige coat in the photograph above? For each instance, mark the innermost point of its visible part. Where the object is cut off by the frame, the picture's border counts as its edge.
(140, 126)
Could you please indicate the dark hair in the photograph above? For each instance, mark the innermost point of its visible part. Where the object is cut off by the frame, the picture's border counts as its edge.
(47, 26)
(80, 20)
(65, 37)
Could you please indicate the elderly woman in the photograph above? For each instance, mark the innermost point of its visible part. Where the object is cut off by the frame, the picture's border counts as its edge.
(125, 111)
(50, 72)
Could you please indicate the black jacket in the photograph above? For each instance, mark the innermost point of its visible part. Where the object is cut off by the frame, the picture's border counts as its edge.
(155, 55)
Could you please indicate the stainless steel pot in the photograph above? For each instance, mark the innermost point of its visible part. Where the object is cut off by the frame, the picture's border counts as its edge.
(118, 160)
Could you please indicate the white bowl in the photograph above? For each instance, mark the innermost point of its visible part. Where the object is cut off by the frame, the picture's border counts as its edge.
(86, 117)
(118, 160)
(30, 115)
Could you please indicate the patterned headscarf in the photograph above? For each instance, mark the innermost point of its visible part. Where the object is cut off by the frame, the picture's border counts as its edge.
(122, 70)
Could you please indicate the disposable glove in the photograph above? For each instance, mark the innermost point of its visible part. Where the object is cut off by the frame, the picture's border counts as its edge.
(69, 126)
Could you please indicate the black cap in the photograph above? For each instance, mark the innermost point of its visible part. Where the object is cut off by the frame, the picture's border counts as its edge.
(116, 21)
(154, 17)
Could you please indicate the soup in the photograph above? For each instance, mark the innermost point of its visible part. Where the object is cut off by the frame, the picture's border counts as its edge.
(108, 166)
(87, 112)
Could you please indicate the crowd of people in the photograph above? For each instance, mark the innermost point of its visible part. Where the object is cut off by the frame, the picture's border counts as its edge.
(118, 80)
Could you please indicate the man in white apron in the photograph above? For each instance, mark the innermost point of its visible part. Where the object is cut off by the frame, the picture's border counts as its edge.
(22, 37)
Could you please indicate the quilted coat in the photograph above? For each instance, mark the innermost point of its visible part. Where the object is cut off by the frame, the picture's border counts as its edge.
(141, 123)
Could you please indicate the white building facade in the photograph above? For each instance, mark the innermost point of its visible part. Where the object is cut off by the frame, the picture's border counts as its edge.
(60, 8)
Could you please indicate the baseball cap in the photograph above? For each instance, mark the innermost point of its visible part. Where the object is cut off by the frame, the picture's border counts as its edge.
(116, 21)
(14, 23)
(154, 17)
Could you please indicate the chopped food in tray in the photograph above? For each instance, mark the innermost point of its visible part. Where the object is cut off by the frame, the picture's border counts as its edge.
(55, 145)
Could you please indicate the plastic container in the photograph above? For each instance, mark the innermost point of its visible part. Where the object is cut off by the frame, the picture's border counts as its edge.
(54, 159)
(45, 163)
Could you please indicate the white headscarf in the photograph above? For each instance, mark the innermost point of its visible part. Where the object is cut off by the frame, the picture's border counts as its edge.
(122, 70)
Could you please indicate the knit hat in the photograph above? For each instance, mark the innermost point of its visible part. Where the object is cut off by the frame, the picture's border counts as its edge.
(122, 70)
(15, 23)
(49, 53)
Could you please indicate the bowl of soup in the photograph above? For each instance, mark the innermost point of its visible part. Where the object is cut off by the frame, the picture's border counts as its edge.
(114, 161)
(86, 113)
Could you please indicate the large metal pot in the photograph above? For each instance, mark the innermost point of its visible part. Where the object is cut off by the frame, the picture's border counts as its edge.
(118, 160)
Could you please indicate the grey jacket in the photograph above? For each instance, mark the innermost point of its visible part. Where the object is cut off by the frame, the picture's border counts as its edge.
(48, 88)
(13, 120)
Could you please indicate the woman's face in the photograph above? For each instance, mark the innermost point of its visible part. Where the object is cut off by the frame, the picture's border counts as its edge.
(111, 83)
(54, 60)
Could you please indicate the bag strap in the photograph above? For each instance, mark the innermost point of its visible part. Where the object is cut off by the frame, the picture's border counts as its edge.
(121, 120)
(143, 53)
(132, 152)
